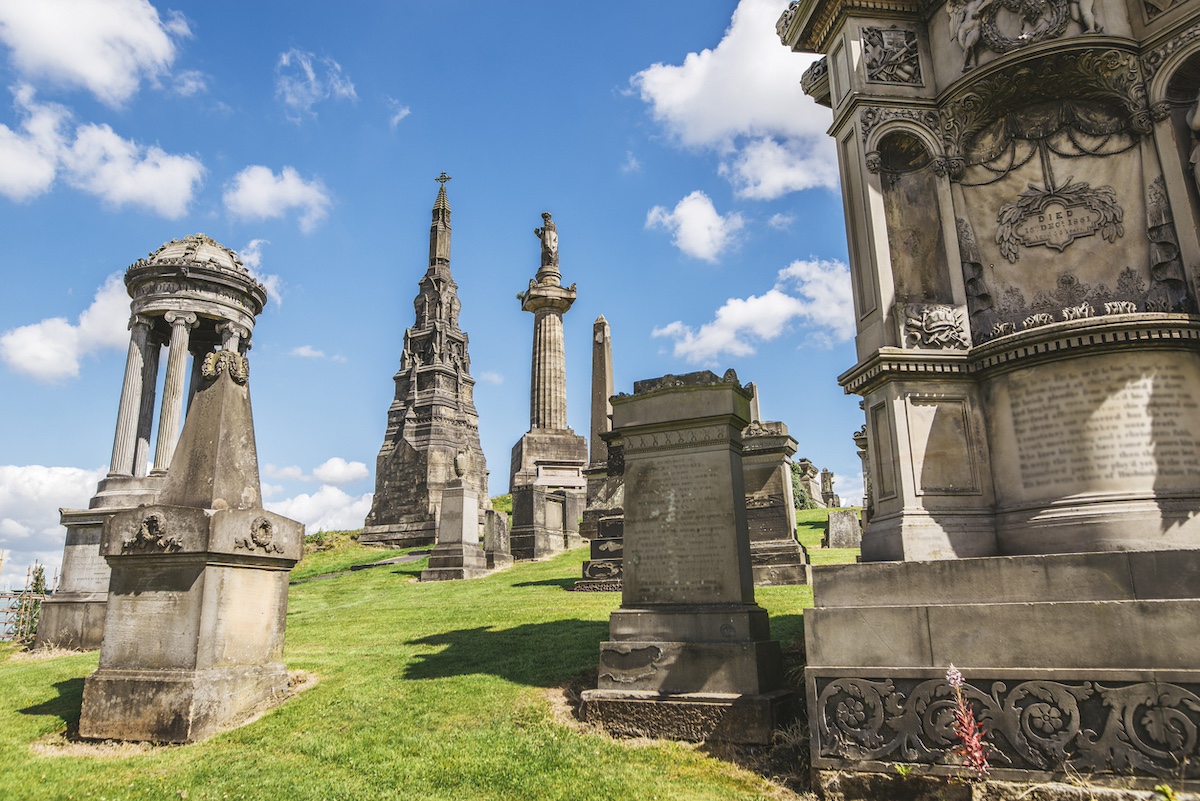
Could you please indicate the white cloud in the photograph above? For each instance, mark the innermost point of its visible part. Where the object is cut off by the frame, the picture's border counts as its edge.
(781, 222)
(123, 172)
(190, 83)
(289, 473)
(398, 112)
(631, 163)
(338, 471)
(302, 80)
(308, 352)
(696, 227)
(491, 377)
(50, 350)
(256, 193)
(327, 509)
(107, 47)
(738, 96)
(814, 293)
(251, 257)
(30, 497)
(849, 488)
(30, 157)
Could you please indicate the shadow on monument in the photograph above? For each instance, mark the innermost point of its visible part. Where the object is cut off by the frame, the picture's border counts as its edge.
(66, 705)
(536, 654)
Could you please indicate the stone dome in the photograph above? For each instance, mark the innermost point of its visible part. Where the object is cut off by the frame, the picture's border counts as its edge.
(196, 249)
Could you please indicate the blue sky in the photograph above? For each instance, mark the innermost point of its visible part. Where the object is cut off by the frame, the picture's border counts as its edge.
(692, 182)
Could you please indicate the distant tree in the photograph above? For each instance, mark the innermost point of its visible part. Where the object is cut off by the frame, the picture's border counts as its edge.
(29, 607)
(800, 496)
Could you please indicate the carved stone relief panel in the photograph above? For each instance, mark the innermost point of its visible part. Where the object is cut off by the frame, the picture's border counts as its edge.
(890, 55)
(933, 326)
(1001, 26)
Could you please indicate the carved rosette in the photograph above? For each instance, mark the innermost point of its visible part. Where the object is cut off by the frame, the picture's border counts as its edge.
(1149, 728)
(151, 536)
(237, 365)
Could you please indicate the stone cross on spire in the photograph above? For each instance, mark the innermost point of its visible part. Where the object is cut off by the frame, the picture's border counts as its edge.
(441, 179)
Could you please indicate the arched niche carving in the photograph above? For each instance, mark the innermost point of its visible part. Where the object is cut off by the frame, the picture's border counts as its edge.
(914, 219)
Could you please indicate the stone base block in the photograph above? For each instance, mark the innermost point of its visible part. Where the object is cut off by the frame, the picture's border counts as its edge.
(781, 575)
(72, 620)
(526, 544)
(596, 585)
(674, 668)
(400, 535)
(498, 561)
(175, 706)
(779, 562)
(694, 716)
(919, 537)
(455, 561)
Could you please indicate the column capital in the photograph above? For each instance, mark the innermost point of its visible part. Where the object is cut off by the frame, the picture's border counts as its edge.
(175, 318)
(140, 320)
(232, 335)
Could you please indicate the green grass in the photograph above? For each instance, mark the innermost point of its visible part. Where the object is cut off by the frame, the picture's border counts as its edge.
(329, 552)
(811, 525)
(427, 691)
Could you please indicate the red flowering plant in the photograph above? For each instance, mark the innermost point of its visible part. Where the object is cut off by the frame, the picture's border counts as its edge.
(971, 744)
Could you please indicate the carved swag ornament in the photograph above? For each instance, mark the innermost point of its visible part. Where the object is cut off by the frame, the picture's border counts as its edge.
(151, 536)
(237, 365)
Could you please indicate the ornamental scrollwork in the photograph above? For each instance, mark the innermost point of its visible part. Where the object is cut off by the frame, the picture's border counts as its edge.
(872, 117)
(237, 365)
(817, 71)
(934, 326)
(151, 536)
(1148, 728)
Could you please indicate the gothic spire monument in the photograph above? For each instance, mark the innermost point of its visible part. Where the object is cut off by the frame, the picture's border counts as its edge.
(546, 474)
(433, 418)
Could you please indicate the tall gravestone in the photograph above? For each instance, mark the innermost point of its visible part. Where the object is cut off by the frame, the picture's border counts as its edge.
(1022, 209)
(776, 555)
(190, 295)
(457, 554)
(197, 602)
(546, 477)
(432, 418)
(605, 482)
(689, 654)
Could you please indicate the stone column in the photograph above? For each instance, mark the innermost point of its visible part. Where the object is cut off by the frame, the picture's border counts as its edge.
(602, 390)
(548, 393)
(125, 440)
(172, 403)
(141, 458)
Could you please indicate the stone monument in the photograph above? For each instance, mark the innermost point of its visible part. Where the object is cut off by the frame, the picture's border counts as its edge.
(432, 418)
(546, 477)
(775, 554)
(690, 655)
(457, 554)
(603, 571)
(605, 482)
(810, 480)
(845, 530)
(1022, 222)
(496, 545)
(191, 295)
(197, 601)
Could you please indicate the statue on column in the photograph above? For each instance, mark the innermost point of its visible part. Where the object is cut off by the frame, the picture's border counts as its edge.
(548, 233)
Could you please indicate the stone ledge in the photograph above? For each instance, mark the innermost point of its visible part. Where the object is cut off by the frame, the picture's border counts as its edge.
(694, 716)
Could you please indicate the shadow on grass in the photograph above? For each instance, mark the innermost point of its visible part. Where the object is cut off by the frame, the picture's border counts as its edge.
(564, 583)
(66, 705)
(536, 654)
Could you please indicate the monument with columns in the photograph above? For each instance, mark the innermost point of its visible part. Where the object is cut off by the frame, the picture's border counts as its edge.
(1022, 218)
(190, 295)
(546, 477)
(432, 419)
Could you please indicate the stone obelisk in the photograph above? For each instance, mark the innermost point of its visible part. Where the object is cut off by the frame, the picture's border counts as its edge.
(546, 476)
(432, 420)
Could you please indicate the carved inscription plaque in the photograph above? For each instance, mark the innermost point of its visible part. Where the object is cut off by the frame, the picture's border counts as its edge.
(1131, 422)
(680, 545)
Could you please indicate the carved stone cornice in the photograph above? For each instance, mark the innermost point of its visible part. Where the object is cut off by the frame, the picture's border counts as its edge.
(871, 117)
(1022, 348)
(807, 25)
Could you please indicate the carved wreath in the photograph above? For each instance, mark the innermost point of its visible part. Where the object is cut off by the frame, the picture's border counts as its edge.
(151, 535)
(237, 365)
(1102, 200)
(262, 532)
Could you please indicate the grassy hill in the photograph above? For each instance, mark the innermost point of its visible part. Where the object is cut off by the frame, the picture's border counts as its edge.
(425, 691)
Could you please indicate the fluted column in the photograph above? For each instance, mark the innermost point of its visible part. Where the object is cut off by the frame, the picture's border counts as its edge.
(173, 386)
(141, 456)
(125, 439)
(548, 393)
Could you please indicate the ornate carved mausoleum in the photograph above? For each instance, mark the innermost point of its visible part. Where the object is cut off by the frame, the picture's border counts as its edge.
(1022, 209)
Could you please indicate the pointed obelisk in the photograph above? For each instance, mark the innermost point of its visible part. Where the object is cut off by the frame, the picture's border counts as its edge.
(432, 419)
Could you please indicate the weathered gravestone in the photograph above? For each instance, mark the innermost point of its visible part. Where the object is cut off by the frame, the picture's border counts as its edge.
(845, 531)
(602, 573)
(197, 602)
(690, 654)
(457, 554)
(776, 556)
(495, 540)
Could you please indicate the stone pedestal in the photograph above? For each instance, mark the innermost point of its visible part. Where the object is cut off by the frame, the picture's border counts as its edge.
(845, 530)
(545, 521)
(457, 554)
(776, 557)
(197, 600)
(497, 546)
(690, 654)
(602, 573)
(1079, 664)
(73, 617)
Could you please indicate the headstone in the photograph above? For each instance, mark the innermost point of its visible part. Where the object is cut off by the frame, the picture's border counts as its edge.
(197, 603)
(548, 461)
(496, 544)
(432, 418)
(457, 554)
(191, 294)
(777, 557)
(689, 654)
(602, 572)
(844, 529)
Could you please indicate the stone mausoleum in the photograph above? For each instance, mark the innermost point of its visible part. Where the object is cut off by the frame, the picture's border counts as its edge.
(1021, 200)
(433, 417)
(190, 295)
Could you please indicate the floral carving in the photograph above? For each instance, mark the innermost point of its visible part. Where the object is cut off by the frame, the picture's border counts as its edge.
(1079, 312)
(1056, 217)
(151, 536)
(262, 533)
(872, 116)
(1120, 307)
(1149, 728)
(934, 326)
(237, 365)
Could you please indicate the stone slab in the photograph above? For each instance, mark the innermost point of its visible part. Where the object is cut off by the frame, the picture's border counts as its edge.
(697, 717)
(72, 620)
(690, 667)
(845, 529)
